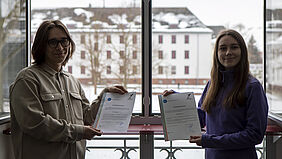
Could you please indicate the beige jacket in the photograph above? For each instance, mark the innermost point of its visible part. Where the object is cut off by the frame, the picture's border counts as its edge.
(48, 111)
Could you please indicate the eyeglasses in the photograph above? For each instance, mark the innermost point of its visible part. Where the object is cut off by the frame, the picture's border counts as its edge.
(53, 43)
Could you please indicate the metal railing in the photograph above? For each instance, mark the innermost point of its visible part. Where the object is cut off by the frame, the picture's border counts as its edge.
(171, 150)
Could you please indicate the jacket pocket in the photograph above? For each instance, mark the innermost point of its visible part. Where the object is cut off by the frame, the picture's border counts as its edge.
(51, 96)
(77, 105)
(51, 104)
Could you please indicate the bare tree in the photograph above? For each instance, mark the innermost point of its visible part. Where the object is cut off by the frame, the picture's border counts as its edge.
(159, 60)
(128, 50)
(10, 33)
(95, 46)
(254, 54)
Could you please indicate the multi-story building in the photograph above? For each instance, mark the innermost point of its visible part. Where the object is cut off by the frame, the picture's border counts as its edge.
(109, 49)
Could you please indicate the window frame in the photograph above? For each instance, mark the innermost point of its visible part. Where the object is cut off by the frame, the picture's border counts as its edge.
(146, 11)
(109, 54)
(186, 39)
(173, 54)
(160, 37)
(173, 39)
(186, 54)
(82, 54)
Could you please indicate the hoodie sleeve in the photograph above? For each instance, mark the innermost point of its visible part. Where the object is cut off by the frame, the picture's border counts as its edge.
(201, 113)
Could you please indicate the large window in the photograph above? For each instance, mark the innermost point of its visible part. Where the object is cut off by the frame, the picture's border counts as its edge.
(12, 45)
(187, 31)
(111, 44)
(274, 55)
(110, 39)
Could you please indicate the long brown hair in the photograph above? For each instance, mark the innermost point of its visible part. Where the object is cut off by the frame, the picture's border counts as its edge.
(41, 39)
(241, 70)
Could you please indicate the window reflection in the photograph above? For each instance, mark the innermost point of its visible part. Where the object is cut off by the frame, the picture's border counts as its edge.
(274, 55)
(12, 45)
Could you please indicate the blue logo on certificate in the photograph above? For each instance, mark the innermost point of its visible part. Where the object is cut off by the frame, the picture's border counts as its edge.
(165, 101)
(109, 99)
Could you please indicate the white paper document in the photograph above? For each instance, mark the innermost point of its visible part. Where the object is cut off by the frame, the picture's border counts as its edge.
(179, 116)
(114, 113)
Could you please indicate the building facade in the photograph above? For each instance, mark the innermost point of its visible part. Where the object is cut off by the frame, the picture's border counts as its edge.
(109, 49)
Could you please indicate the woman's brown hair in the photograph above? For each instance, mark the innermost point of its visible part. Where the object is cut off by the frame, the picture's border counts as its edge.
(41, 40)
(241, 71)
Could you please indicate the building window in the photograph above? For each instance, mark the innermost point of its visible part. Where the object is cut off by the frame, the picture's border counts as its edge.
(173, 81)
(186, 70)
(108, 54)
(161, 70)
(134, 69)
(173, 70)
(108, 69)
(109, 39)
(134, 39)
(96, 37)
(96, 46)
(173, 54)
(186, 54)
(186, 82)
(160, 39)
(160, 81)
(186, 39)
(134, 56)
(121, 39)
(82, 54)
(82, 69)
(70, 69)
(173, 39)
(121, 69)
(121, 54)
(82, 39)
(161, 54)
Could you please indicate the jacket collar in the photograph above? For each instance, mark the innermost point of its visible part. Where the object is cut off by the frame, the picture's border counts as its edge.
(51, 71)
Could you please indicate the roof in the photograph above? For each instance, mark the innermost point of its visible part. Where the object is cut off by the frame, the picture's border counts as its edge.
(114, 18)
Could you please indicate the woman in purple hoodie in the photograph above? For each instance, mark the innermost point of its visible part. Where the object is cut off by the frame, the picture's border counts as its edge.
(233, 106)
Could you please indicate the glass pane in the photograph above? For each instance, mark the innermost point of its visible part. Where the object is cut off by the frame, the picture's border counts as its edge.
(183, 38)
(12, 45)
(108, 42)
(274, 55)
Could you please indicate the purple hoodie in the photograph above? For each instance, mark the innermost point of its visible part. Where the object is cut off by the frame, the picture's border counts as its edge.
(232, 133)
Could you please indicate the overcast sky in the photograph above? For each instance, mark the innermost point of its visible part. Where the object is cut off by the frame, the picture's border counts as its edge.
(210, 12)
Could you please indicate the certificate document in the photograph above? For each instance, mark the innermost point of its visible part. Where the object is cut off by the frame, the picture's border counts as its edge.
(179, 116)
(114, 113)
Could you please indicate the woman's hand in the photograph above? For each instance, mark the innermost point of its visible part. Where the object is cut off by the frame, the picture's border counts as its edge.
(196, 139)
(116, 89)
(166, 92)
